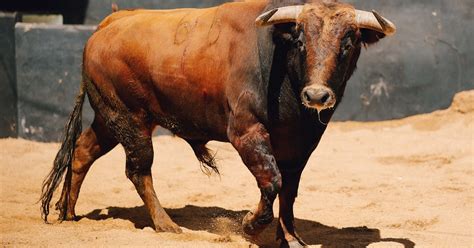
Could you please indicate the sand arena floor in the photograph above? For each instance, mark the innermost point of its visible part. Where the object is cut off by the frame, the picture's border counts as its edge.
(382, 184)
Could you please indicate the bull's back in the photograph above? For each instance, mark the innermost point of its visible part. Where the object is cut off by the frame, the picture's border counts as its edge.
(177, 64)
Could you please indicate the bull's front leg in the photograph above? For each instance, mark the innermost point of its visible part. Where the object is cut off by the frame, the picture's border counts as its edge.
(286, 232)
(252, 141)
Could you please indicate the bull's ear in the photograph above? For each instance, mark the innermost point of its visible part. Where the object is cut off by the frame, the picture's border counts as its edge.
(285, 33)
(369, 36)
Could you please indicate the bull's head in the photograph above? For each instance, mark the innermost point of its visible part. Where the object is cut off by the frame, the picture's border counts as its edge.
(327, 39)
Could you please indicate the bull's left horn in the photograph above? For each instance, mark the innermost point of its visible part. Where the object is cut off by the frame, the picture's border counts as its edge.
(279, 15)
(372, 20)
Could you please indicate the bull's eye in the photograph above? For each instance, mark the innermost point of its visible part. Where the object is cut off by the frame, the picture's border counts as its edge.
(347, 48)
(300, 46)
(299, 42)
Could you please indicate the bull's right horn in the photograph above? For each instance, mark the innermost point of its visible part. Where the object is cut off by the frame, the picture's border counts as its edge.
(279, 15)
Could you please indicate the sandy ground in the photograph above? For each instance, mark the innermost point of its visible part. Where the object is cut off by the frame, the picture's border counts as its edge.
(400, 183)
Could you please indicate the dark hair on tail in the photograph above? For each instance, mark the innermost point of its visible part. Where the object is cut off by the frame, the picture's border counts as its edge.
(63, 158)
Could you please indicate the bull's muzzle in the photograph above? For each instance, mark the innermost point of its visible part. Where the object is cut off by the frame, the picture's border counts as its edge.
(318, 97)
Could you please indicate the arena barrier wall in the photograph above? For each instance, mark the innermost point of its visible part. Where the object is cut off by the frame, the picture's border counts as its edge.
(8, 110)
(48, 64)
(418, 70)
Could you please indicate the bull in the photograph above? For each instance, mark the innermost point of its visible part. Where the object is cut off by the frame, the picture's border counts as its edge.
(265, 77)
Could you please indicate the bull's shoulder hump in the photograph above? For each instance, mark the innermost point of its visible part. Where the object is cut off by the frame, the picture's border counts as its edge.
(126, 14)
(234, 8)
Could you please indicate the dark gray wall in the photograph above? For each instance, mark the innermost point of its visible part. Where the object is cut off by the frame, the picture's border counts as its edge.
(98, 9)
(8, 111)
(419, 69)
(48, 62)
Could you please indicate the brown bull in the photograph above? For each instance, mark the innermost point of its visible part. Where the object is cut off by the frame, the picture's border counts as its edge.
(264, 77)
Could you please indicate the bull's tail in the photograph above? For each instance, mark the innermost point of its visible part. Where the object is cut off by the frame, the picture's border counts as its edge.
(64, 157)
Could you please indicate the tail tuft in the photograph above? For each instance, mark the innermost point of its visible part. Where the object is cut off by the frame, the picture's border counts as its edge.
(63, 160)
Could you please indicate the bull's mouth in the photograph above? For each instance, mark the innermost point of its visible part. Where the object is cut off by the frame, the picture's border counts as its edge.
(319, 107)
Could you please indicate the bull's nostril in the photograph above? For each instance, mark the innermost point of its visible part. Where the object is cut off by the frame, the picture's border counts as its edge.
(325, 98)
(306, 96)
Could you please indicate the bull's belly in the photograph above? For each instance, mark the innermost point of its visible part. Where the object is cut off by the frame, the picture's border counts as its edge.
(189, 129)
(191, 117)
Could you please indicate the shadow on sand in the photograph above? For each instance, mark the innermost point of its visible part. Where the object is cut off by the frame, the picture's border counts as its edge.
(224, 222)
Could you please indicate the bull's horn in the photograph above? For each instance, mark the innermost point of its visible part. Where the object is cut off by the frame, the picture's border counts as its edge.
(372, 20)
(279, 15)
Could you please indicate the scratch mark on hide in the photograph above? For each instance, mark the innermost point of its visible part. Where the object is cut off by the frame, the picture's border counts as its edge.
(182, 31)
(183, 57)
(215, 28)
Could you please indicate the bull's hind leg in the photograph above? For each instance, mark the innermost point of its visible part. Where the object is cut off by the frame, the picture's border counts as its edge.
(135, 137)
(139, 152)
(91, 145)
(133, 131)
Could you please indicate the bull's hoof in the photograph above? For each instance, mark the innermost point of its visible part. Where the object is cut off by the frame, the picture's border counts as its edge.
(252, 226)
(69, 217)
(64, 214)
(292, 244)
(170, 227)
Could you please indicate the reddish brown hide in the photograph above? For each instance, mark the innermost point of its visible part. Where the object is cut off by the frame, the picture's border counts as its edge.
(213, 74)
